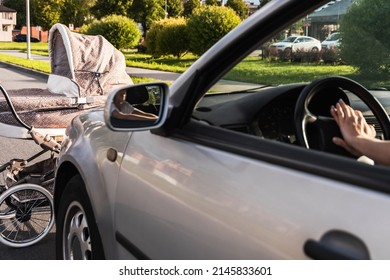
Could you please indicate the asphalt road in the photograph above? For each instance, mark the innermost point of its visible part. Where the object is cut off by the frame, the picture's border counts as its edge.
(18, 148)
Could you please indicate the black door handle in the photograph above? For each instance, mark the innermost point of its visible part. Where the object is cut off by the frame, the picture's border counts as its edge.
(336, 245)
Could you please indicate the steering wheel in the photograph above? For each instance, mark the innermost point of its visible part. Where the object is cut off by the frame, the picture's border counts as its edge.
(317, 131)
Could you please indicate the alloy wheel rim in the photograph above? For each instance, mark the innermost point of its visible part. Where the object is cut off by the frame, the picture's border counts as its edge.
(76, 235)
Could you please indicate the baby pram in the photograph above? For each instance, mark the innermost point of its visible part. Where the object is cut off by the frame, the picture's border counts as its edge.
(83, 70)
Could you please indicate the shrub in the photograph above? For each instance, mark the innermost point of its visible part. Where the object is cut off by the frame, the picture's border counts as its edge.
(152, 38)
(306, 56)
(120, 31)
(365, 44)
(189, 6)
(331, 55)
(208, 24)
(168, 37)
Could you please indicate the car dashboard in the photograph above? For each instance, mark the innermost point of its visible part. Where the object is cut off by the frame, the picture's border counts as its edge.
(269, 111)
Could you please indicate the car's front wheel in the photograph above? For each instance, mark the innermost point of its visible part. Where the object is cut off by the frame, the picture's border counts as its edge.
(77, 236)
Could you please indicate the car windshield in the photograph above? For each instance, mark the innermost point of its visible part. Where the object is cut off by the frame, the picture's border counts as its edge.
(363, 54)
(333, 37)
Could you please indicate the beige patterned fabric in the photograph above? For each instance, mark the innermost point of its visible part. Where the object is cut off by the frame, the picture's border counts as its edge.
(90, 61)
(40, 108)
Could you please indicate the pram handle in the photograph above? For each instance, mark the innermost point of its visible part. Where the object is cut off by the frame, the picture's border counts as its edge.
(46, 142)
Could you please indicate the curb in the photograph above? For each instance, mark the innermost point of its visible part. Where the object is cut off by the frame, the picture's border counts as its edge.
(36, 73)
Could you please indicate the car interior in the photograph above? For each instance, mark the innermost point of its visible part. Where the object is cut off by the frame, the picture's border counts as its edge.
(296, 113)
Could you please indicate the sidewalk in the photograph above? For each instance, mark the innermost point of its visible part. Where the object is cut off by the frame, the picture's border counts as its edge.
(132, 71)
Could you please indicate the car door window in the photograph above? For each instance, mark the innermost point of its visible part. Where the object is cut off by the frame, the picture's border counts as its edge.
(259, 97)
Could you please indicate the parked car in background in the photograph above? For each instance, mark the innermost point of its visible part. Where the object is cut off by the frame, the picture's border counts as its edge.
(293, 44)
(23, 38)
(231, 168)
(332, 41)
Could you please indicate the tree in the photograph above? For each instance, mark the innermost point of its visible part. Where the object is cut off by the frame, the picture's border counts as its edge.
(208, 24)
(104, 8)
(174, 8)
(77, 12)
(190, 6)
(239, 6)
(147, 11)
(120, 31)
(212, 2)
(364, 44)
(47, 12)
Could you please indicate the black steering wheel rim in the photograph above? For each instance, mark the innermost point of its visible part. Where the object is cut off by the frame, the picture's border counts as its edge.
(302, 113)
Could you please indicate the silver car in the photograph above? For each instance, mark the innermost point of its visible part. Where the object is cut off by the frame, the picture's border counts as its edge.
(228, 165)
(332, 41)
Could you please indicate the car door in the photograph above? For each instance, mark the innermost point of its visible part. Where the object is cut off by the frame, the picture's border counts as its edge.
(178, 199)
(299, 44)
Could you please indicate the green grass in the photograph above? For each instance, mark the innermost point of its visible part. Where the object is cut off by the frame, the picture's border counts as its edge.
(251, 70)
(134, 59)
(254, 70)
(22, 46)
(31, 64)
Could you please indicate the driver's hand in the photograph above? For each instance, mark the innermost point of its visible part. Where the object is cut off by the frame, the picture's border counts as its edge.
(352, 126)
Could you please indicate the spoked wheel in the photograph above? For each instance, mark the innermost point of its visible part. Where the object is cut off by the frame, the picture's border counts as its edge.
(26, 215)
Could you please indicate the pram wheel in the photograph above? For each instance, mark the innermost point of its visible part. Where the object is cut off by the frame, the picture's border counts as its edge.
(26, 215)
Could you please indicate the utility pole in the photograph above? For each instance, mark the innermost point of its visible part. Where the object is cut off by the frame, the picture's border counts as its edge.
(28, 29)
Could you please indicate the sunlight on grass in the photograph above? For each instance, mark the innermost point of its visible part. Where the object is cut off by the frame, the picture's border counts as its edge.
(170, 64)
(23, 46)
(42, 66)
(254, 70)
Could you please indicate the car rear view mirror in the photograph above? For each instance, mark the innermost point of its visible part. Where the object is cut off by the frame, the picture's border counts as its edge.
(137, 107)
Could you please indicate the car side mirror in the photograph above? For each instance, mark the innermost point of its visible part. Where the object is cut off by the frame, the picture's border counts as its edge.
(137, 107)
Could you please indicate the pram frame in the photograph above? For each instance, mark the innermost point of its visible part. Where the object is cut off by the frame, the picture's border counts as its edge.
(26, 204)
(76, 86)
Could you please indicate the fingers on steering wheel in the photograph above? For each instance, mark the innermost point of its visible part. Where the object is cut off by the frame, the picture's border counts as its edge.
(340, 111)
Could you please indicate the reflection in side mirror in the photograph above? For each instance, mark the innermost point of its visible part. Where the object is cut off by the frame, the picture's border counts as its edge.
(137, 107)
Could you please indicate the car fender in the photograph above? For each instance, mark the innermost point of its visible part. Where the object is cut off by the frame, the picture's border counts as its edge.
(83, 153)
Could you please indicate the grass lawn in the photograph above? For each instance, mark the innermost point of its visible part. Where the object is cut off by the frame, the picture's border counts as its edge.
(22, 46)
(31, 64)
(171, 64)
(252, 69)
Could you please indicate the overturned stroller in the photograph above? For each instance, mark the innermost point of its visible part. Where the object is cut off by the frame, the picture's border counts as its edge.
(84, 69)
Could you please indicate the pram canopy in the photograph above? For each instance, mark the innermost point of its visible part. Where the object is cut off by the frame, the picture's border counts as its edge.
(86, 65)
(84, 69)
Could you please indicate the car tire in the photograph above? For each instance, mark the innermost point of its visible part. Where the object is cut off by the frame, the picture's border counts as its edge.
(77, 235)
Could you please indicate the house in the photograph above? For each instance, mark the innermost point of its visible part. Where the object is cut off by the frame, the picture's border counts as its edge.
(7, 23)
(326, 19)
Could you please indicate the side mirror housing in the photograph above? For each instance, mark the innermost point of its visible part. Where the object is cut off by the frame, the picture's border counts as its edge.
(137, 107)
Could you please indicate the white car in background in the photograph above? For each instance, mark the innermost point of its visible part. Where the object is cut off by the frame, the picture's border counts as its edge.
(298, 43)
(332, 41)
